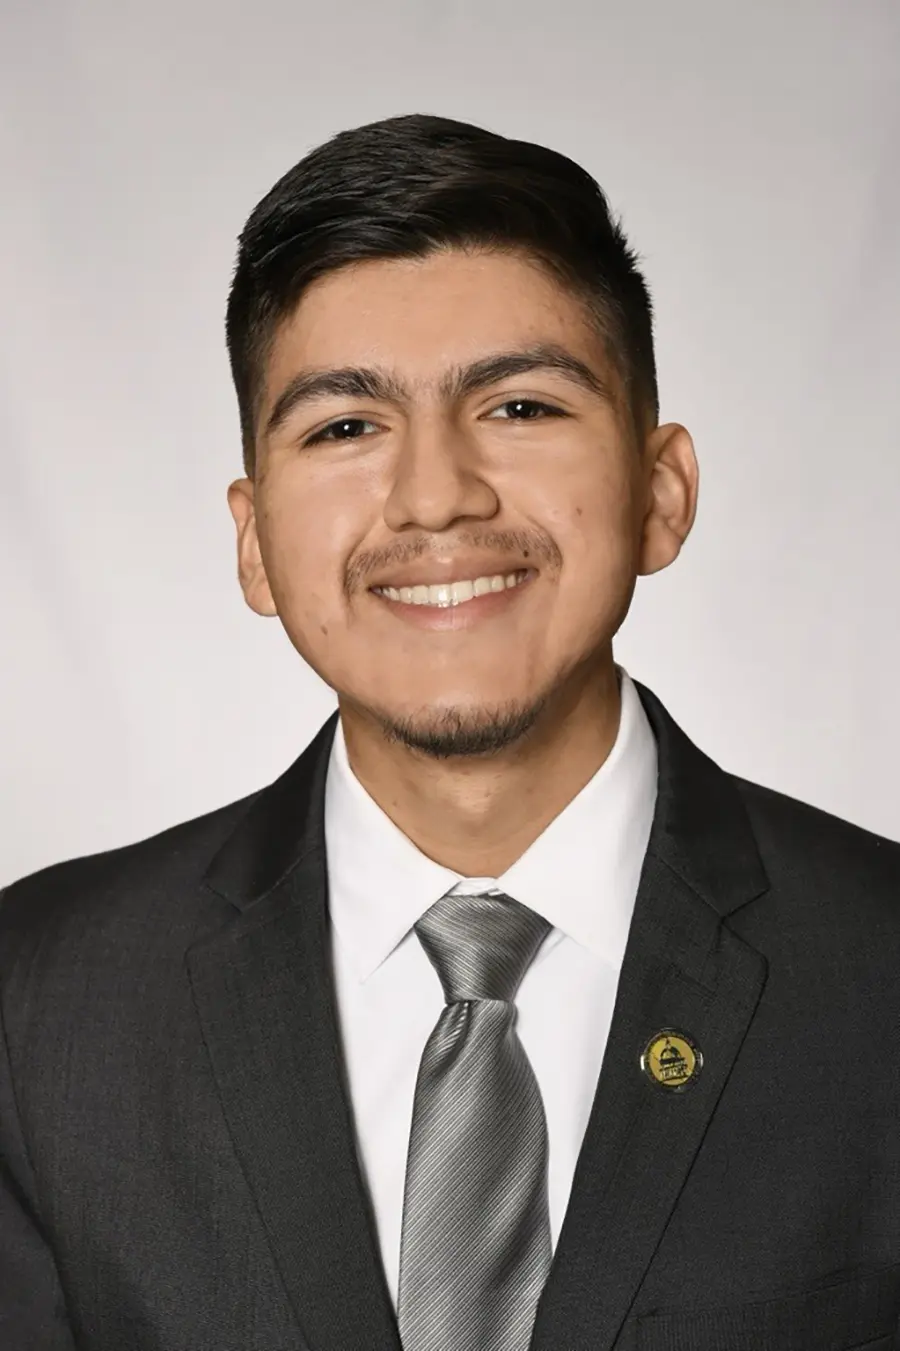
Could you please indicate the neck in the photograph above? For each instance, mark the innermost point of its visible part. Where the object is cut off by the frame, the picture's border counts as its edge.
(476, 815)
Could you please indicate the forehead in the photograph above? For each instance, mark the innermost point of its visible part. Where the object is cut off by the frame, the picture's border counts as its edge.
(423, 314)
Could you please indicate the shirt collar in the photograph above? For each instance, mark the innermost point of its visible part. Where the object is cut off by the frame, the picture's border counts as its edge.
(581, 873)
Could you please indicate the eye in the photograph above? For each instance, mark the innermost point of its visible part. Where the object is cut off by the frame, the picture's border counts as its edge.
(526, 410)
(344, 429)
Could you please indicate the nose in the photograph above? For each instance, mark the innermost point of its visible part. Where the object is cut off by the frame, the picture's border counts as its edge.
(436, 480)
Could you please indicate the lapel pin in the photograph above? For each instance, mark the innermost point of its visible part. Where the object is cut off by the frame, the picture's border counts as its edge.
(671, 1060)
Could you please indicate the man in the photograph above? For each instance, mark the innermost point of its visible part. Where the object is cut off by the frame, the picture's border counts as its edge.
(504, 1018)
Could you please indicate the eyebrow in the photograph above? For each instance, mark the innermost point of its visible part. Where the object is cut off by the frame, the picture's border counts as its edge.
(362, 382)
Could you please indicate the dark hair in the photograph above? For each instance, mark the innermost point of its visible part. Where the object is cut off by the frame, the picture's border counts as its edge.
(408, 186)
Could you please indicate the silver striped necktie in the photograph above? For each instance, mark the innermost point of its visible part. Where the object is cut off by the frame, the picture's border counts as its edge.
(475, 1247)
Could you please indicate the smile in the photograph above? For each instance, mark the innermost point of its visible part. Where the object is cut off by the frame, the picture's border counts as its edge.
(447, 594)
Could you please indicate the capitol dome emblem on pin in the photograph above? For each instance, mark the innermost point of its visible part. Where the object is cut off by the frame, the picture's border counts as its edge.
(671, 1060)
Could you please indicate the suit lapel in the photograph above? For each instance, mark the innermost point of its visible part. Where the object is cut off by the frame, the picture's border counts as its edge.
(264, 995)
(683, 969)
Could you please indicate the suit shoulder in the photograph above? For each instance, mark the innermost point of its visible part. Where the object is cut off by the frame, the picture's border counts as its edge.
(806, 848)
(116, 882)
(774, 811)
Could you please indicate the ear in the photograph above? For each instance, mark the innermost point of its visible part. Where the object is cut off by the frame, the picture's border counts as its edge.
(671, 500)
(251, 573)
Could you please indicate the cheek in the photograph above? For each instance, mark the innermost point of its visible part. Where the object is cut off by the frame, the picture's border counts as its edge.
(598, 538)
(304, 555)
(591, 514)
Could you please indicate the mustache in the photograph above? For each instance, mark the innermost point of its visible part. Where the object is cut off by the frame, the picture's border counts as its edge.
(528, 545)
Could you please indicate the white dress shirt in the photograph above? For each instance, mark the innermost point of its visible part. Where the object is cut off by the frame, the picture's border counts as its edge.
(581, 874)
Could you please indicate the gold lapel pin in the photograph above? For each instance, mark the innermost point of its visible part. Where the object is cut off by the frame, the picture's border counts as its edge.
(671, 1060)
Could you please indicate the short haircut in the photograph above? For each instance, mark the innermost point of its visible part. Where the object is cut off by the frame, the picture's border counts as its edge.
(409, 186)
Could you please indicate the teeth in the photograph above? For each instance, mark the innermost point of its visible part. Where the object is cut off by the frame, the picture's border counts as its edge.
(452, 593)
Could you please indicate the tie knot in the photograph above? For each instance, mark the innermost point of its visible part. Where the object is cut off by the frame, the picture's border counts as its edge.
(481, 946)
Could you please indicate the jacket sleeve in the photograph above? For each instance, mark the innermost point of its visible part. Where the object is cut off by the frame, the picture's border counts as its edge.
(32, 1305)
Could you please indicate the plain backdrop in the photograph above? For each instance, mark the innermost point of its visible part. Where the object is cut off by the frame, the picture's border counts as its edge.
(752, 151)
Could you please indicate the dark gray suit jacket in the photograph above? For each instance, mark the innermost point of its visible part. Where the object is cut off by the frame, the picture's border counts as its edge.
(177, 1161)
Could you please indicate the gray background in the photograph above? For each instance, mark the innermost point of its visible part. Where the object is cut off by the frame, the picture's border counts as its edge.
(752, 150)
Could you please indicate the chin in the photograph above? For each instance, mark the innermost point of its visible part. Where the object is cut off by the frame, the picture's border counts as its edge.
(462, 729)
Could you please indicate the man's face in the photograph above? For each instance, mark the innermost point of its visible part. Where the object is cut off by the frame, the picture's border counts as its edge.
(414, 477)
